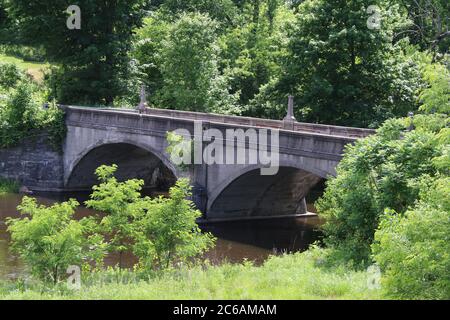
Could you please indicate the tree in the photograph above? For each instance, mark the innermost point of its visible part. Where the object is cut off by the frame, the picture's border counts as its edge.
(49, 240)
(251, 51)
(21, 113)
(436, 97)
(9, 76)
(167, 231)
(223, 11)
(413, 249)
(430, 28)
(5, 22)
(385, 170)
(188, 65)
(342, 69)
(93, 60)
(158, 231)
(242, 53)
(118, 200)
(147, 52)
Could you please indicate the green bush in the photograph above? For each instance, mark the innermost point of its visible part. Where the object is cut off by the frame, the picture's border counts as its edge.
(9, 75)
(167, 231)
(158, 231)
(436, 98)
(413, 249)
(118, 201)
(49, 240)
(382, 171)
(22, 116)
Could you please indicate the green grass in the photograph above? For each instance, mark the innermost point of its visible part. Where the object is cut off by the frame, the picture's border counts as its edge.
(8, 186)
(295, 276)
(35, 69)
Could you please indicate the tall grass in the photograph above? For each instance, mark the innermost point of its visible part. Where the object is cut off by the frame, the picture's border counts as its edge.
(294, 276)
(8, 186)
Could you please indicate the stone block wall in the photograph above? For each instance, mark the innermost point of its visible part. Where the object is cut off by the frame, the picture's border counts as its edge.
(34, 164)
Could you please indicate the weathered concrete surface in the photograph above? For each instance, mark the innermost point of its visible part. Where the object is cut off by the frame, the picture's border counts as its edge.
(137, 143)
(33, 164)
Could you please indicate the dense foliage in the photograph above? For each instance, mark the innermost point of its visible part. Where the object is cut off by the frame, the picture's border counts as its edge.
(389, 169)
(49, 240)
(356, 63)
(186, 60)
(92, 62)
(430, 24)
(343, 64)
(22, 115)
(436, 97)
(385, 170)
(158, 231)
(342, 71)
(413, 249)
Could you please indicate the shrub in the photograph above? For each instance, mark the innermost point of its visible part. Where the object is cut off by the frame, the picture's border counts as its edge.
(49, 240)
(119, 201)
(9, 75)
(436, 98)
(159, 231)
(167, 232)
(21, 116)
(18, 117)
(382, 171)
(413, 249)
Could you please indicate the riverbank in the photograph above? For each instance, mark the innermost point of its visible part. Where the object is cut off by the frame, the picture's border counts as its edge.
(293, 276)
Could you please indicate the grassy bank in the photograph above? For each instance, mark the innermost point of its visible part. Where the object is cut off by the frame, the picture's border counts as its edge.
(8, 186)
(35, 69)
(296, 276)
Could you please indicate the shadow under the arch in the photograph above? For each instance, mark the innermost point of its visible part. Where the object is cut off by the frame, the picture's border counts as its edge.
(133, 163)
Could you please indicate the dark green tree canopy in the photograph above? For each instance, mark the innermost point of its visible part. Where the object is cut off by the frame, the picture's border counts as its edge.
(92, 59)
(341, 70)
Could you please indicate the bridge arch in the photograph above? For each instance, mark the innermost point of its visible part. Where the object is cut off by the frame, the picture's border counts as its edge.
(246, 193)
(134, 159)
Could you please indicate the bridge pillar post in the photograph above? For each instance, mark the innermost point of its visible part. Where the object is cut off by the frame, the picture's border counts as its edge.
(302, 208)
(289, 119)
(200, 187)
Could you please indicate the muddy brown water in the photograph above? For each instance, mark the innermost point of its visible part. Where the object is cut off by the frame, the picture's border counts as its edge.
(253, 240)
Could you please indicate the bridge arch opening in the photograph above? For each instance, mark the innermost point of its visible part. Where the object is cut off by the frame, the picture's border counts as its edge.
(134, 162)
(254, 195)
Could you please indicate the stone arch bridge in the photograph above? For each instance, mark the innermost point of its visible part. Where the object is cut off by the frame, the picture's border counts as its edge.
(136, 142)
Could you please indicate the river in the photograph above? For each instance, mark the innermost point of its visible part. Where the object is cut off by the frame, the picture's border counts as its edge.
(253, 240)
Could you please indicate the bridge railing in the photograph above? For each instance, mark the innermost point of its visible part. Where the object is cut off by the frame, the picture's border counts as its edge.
(245, 121)
(258, 122)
